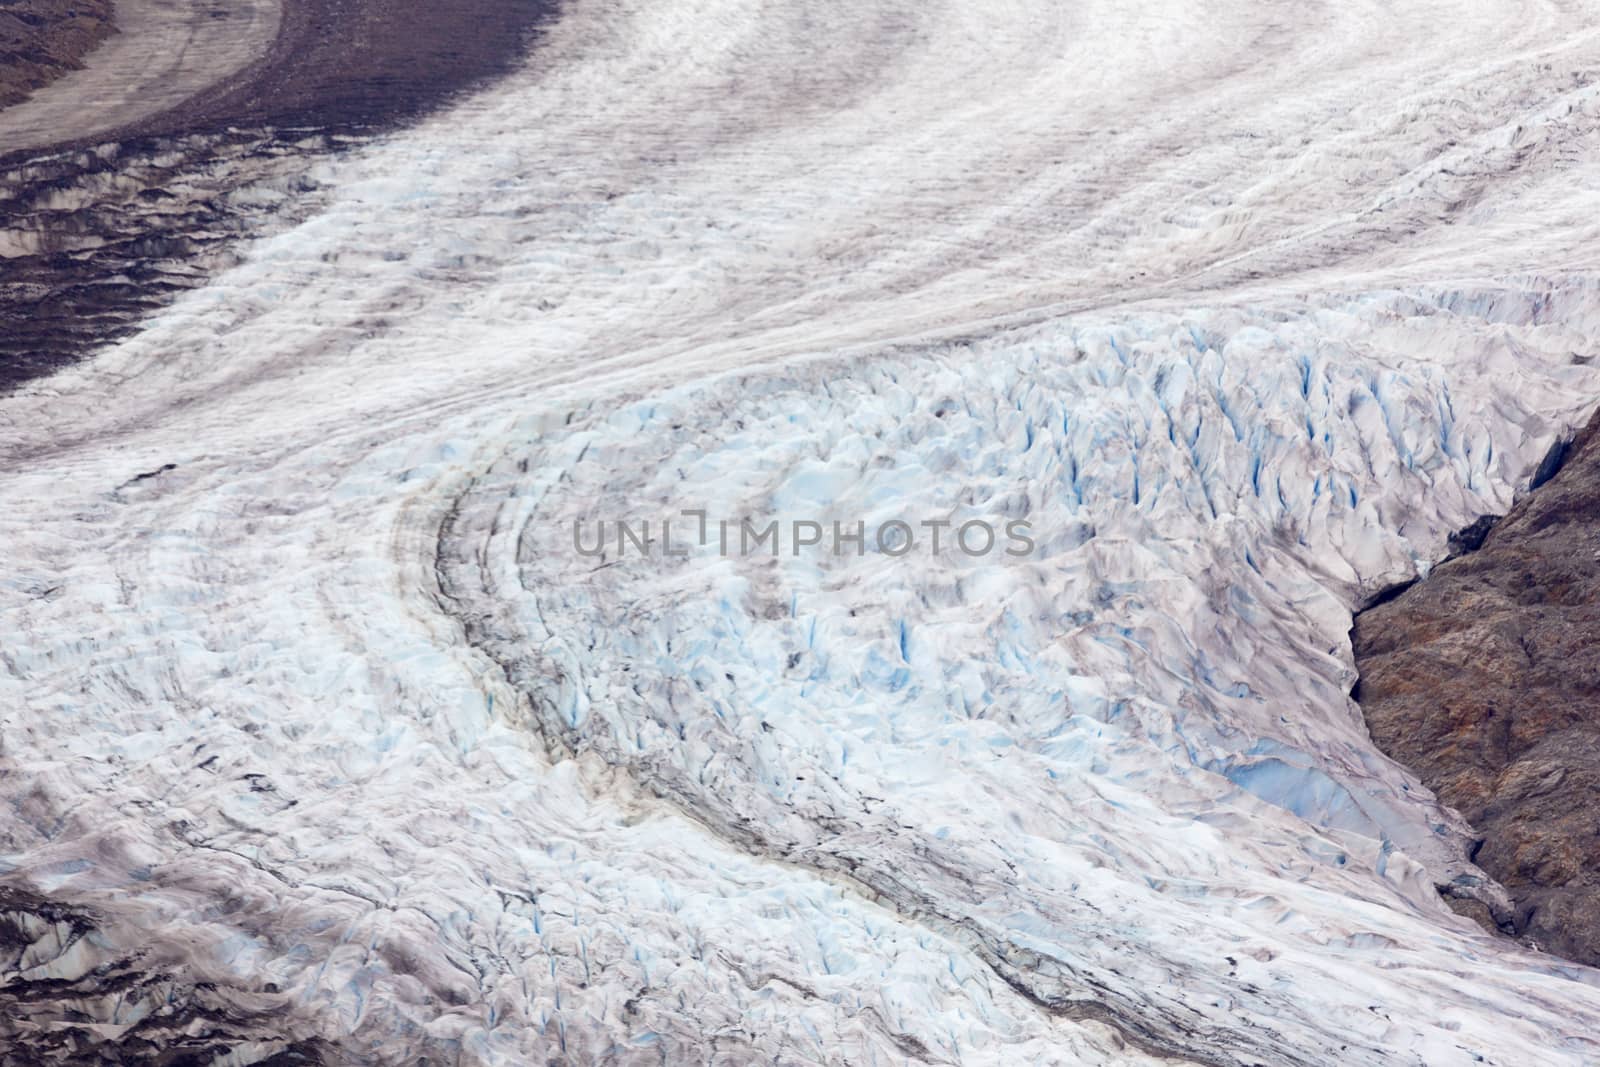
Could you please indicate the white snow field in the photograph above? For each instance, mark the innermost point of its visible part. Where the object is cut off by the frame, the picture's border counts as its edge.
(1243, 308)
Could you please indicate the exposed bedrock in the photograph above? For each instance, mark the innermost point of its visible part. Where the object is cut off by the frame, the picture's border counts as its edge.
(94, 236)
(40, 40)
(1485, 679)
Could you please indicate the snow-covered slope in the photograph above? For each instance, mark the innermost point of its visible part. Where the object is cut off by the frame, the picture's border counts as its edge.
(308, 695)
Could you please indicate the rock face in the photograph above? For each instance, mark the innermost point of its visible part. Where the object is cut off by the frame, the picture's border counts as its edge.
(1485, 679)
(40, 40)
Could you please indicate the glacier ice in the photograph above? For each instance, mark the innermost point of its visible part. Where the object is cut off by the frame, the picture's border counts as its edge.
(1245, 316)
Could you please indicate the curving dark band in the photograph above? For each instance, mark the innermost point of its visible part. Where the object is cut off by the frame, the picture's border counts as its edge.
(75, 278)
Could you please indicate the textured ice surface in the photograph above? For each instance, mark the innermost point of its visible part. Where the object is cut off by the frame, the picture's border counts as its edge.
(1061, 759)
(329, 713)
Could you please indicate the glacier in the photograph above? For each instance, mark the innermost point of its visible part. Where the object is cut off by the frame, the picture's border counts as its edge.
(311, 708)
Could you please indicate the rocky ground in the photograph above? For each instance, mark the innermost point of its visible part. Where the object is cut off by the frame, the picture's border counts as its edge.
(40, 40)
(1485, 680)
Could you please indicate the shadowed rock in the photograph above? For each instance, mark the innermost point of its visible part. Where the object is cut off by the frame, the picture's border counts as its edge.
(1485, 680)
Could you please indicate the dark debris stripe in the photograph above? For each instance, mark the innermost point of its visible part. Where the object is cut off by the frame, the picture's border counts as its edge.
(72, 281)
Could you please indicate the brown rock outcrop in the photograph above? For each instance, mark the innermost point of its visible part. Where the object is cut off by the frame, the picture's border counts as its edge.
(1484, 679)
